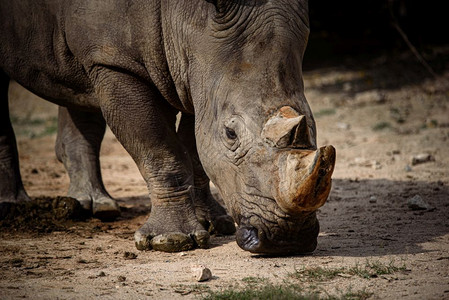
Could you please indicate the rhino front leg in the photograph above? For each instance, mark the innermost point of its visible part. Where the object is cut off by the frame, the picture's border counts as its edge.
(11, 186)
(145, 125)
(208, 211)
(78, 146)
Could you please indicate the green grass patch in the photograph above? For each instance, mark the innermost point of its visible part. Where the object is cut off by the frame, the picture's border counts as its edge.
(283, 292)
(34, 128)
(369, 270)
(27, 121)
(50, 129)
(324, 112)
(278, 292)
(381, 126)
(191, 289)
(254, 280)
(308, 287)
(375, 269)
(354, 295)
(317, 273)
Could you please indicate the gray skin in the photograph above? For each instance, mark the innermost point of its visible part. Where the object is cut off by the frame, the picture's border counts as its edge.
(233, 68)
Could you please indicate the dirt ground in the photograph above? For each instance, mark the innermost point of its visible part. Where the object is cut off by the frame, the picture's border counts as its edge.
(378, 113)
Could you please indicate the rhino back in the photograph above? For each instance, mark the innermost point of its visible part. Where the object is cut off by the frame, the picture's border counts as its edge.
(34, 51)
(50, 47)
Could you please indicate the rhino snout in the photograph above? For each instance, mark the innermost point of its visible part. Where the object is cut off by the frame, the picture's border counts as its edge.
(247, 238)
(304, 240)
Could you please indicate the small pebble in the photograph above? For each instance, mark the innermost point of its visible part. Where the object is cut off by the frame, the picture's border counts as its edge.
(362, 162)
(422, 158)
(417, 203)
(343, 126)
(129, 255)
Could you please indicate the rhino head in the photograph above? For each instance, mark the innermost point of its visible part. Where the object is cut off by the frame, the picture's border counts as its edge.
(255, 131)
(272, 178)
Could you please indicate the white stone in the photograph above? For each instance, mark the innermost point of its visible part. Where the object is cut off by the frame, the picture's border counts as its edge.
(201, 273)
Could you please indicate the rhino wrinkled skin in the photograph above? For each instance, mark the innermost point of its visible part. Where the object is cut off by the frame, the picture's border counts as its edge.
(232, 68)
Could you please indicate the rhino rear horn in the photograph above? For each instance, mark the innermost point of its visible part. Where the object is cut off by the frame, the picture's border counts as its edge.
(288, 128)
(302, 138)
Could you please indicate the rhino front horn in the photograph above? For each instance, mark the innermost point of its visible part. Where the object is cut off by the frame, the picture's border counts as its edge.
(305, 179)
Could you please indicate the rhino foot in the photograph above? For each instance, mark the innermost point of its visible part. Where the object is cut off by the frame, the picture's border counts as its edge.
(105, 208)
(223, 224)
(178, 241)
(213, 216)
(215, 220)
(102, 207)
(170, 238)
(171, 242)
(19, 197)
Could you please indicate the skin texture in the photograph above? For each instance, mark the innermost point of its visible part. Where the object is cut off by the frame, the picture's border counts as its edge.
(228, 66)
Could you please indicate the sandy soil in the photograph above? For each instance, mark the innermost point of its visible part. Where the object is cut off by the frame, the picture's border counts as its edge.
(378, 114)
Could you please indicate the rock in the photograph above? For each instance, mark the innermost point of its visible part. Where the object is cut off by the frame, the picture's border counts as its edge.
(372, 199)
(201, 273)
(417, 203)
(362, 162)
(422, 158)
(129, 255)
(407, 168)
(430, 123)
(368, 97)
(343, 126)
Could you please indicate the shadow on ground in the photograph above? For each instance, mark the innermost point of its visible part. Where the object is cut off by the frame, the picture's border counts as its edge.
(361, 218)
(136, 206)
(389, 71)
(372, 218)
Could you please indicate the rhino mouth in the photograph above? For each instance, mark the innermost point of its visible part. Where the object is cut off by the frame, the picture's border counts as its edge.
(301, 238)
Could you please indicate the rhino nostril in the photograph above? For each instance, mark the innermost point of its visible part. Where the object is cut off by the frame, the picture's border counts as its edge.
(322, 172)
(247, 238)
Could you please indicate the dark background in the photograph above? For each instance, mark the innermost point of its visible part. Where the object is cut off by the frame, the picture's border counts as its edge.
(347, 29)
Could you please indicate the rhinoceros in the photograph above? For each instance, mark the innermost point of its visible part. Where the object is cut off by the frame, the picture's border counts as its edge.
(234, 71)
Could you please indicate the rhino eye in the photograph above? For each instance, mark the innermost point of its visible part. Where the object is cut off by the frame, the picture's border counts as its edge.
(230, 133)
